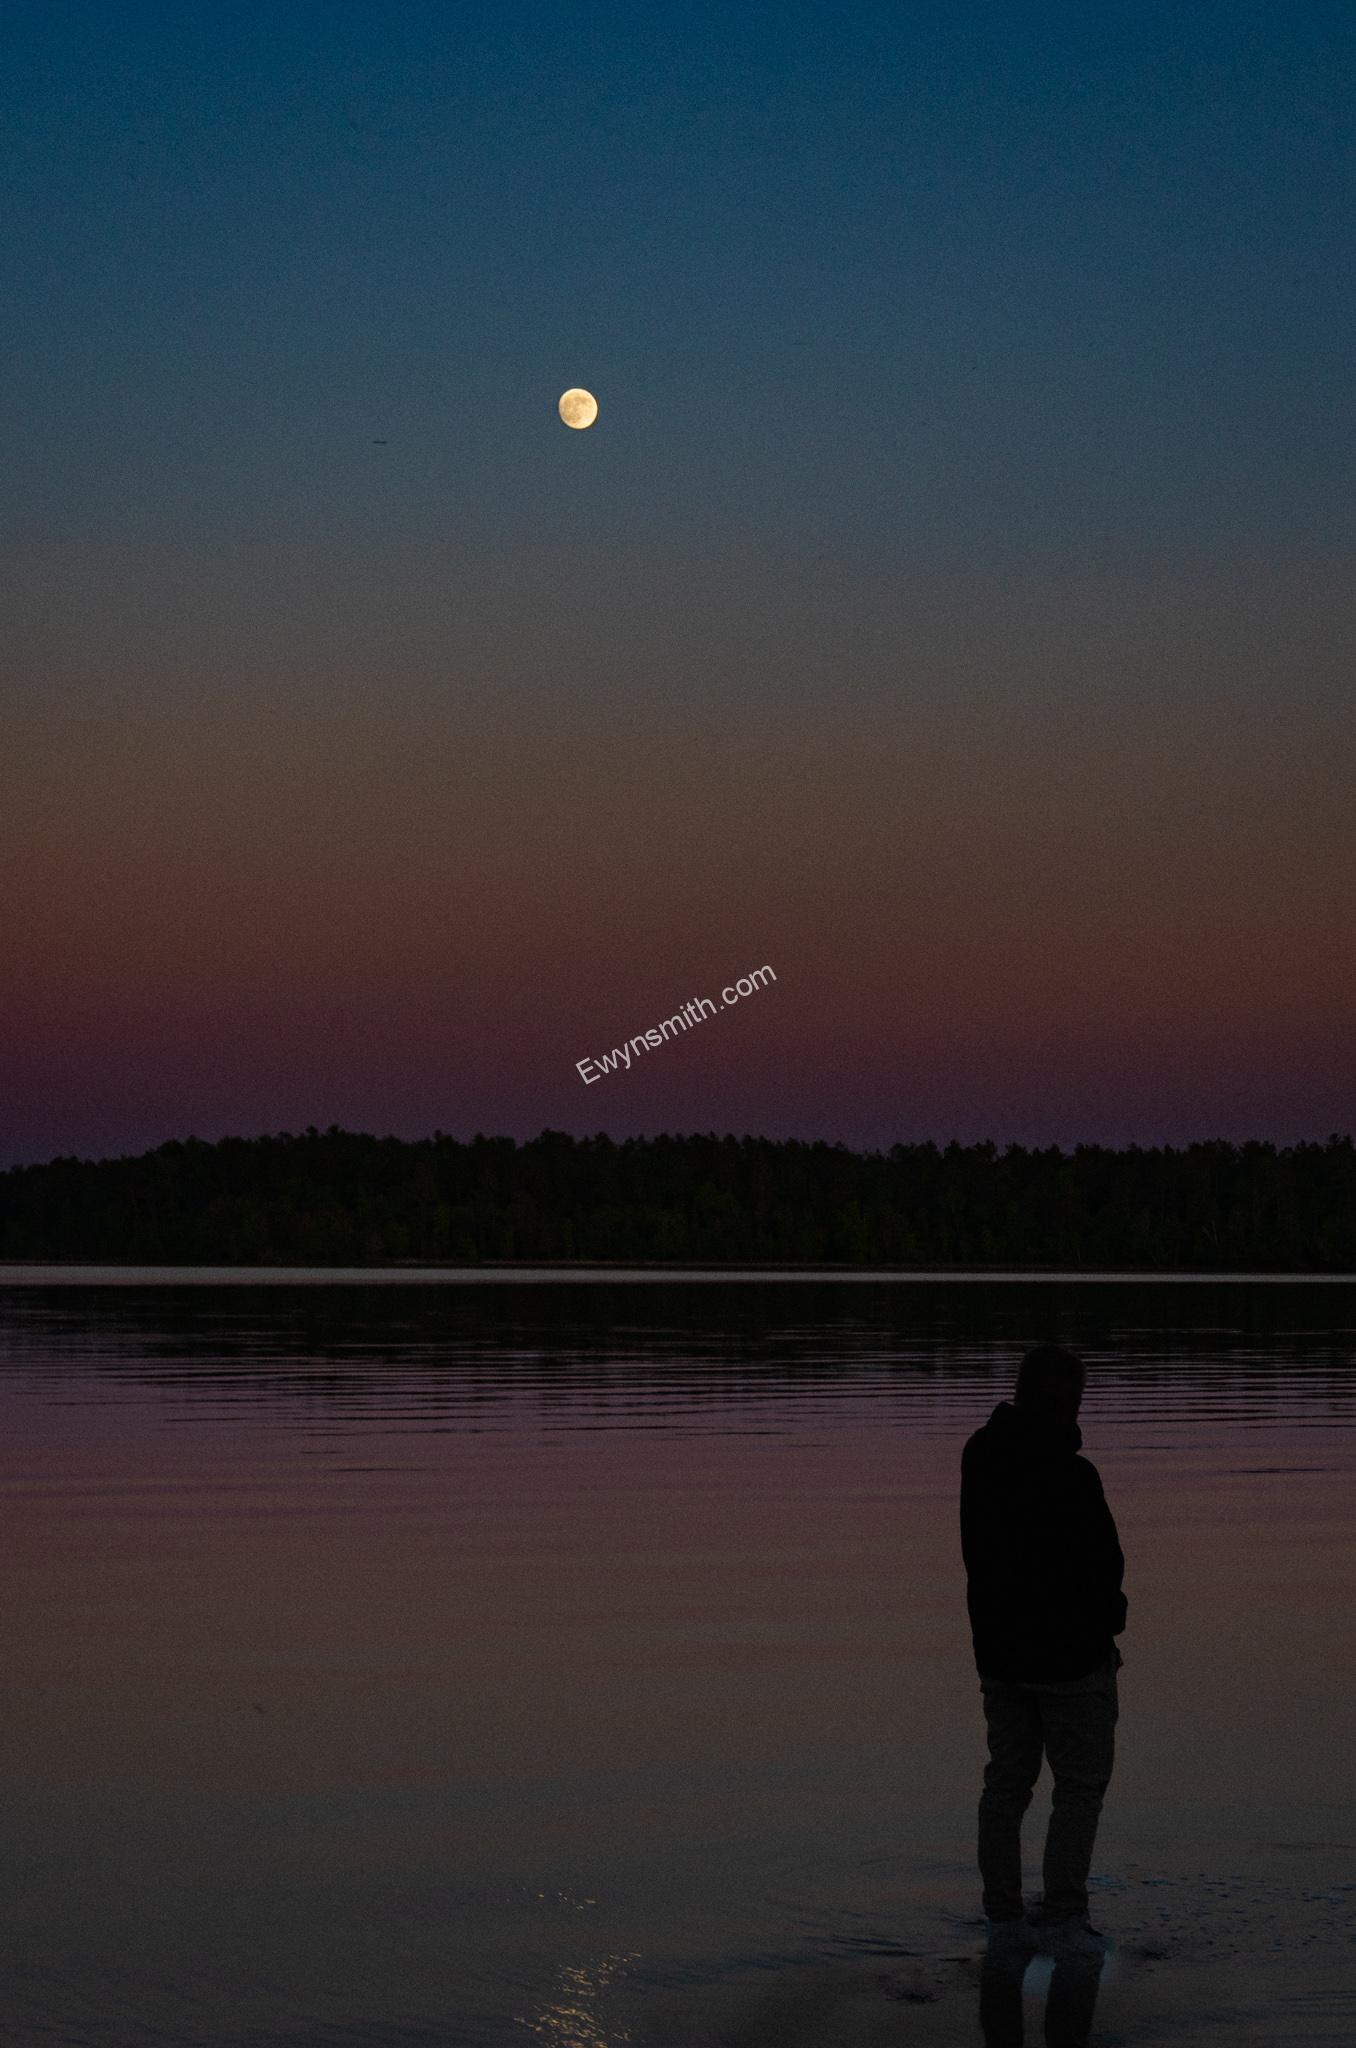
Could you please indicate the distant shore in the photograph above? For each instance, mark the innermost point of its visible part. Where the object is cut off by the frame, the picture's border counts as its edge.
(685, 1204)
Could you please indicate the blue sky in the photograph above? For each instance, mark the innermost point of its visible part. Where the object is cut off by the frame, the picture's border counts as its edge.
(949, 280)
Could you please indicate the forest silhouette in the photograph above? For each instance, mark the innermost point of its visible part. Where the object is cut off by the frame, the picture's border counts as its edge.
(342, 1197)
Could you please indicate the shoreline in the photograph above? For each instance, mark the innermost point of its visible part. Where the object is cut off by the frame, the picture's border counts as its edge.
(110, 1272)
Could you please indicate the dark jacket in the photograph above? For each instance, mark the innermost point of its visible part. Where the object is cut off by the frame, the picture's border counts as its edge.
(1042, 1559)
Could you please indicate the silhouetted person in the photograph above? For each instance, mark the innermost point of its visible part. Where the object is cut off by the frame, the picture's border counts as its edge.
(1043, 1569)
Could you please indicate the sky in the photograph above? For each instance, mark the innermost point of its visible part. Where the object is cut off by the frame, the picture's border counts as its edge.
(953, 607)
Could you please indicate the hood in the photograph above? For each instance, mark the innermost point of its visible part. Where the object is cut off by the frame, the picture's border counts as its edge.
(1027, 1435)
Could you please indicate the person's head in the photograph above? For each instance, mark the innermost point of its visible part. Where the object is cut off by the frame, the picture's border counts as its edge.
(1050, 1382)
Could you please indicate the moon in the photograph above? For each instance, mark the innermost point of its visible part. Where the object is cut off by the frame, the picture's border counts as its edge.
(578, 408)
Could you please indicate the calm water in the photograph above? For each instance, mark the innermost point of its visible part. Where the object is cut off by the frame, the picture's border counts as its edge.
(588, 1661)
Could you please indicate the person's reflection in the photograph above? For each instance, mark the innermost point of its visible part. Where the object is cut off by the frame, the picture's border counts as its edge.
(1070, 2001)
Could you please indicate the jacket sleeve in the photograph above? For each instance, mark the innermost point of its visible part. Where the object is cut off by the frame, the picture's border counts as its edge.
(1105, 1559)
(977, 1525)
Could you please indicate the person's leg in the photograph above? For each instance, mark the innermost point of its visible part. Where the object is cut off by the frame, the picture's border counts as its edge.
(1014, 1727)
(1079, 1731)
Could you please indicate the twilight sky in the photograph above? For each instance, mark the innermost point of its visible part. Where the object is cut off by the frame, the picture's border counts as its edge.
(954, 606)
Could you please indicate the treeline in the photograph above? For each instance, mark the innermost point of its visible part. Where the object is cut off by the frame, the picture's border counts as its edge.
(338, 1197)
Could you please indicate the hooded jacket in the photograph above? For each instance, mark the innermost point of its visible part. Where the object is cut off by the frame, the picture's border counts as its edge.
(1043, 1561)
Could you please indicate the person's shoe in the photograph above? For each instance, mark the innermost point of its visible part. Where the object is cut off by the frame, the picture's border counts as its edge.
(1071, 1937)
(1015, 1937)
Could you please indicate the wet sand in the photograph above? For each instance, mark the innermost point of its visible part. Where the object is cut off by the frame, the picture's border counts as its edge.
(1201, 1960)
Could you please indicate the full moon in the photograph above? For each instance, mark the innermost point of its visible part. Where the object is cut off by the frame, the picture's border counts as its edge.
(578, 408)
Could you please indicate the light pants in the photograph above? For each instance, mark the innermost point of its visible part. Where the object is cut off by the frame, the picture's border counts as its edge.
(1073, 1725)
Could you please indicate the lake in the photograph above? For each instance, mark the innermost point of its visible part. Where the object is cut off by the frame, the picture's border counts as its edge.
(584, 1659)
